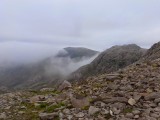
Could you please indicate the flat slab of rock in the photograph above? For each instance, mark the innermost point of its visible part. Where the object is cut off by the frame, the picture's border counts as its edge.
(37, 98)
(79, 115)
(116, 99)
(80, 103)
(132, 101)
(64, 85)
(93, 110)
(48, 116)
(152, 96)
(47, 89)
(112, 76)
(61, 97)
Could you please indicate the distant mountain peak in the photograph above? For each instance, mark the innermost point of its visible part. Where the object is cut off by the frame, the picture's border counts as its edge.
(76, 52)
(48, 72)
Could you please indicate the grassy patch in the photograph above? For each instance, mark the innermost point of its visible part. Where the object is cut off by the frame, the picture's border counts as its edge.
(42, 106)
(108, 116)
(29, 114)
(97, 85)
(85, 108)
(127, 110)
(37, 92)
(96, 114)
(52, 108)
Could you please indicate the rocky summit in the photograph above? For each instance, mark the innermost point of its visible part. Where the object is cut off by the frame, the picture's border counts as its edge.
(110, 60)
(132, 93)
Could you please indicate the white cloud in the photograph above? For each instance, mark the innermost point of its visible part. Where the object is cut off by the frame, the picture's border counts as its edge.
(96, 24)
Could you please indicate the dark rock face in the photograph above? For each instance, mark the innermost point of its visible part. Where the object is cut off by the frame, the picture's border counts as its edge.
(153, 53)
(111, 60)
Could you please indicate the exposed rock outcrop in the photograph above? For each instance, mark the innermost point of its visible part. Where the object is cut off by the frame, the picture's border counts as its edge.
(153, 53)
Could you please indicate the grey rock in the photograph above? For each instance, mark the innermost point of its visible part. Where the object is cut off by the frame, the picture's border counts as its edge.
(64, 85)
(3, 116)
(66, 111)
(79, 115)
(155, 115)
(131, 101)
(136, 116)
(80, 103)
(129, 115)
(47, 89)
(92, 110)
(136, 112)
(157, 100)
(152, 96)
(48, 116)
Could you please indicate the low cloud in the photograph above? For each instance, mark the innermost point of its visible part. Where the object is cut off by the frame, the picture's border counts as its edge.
(63, 66)
(18, 53)
(33, 30)
(96, 24)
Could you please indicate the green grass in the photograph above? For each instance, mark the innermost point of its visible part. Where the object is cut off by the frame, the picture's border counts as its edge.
(53, 107)
(42, 106)
(85, 108)
(29, 112)
(37, 92)
(127, 110)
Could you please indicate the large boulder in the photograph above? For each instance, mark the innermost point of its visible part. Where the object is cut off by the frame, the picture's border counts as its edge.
(80, 103)
(64, 85)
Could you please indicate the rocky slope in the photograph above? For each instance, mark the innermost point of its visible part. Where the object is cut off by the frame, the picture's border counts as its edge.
(131, 93)
(110, 60)
(153, 52)
(45, 73)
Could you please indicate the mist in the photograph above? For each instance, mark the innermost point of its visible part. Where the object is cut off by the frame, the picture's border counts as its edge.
(34, 30)
(32, 55)
(64, 66)
(96, 24)
(19, 53)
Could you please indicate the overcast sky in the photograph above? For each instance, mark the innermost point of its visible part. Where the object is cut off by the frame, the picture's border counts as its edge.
(97, 24)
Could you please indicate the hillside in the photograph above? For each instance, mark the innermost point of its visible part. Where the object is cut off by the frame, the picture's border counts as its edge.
(153, 52)
(131, 93)
(49, 72)
(110, 60)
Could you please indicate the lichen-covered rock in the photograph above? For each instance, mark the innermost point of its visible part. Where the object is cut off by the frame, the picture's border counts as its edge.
(80, 103)
(37, 98)
(64, 85)
(93, 110)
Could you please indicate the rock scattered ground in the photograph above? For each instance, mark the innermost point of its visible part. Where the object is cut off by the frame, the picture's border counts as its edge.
(129, 94)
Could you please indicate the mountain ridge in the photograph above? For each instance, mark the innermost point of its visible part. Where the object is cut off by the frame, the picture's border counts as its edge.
(110, 60)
